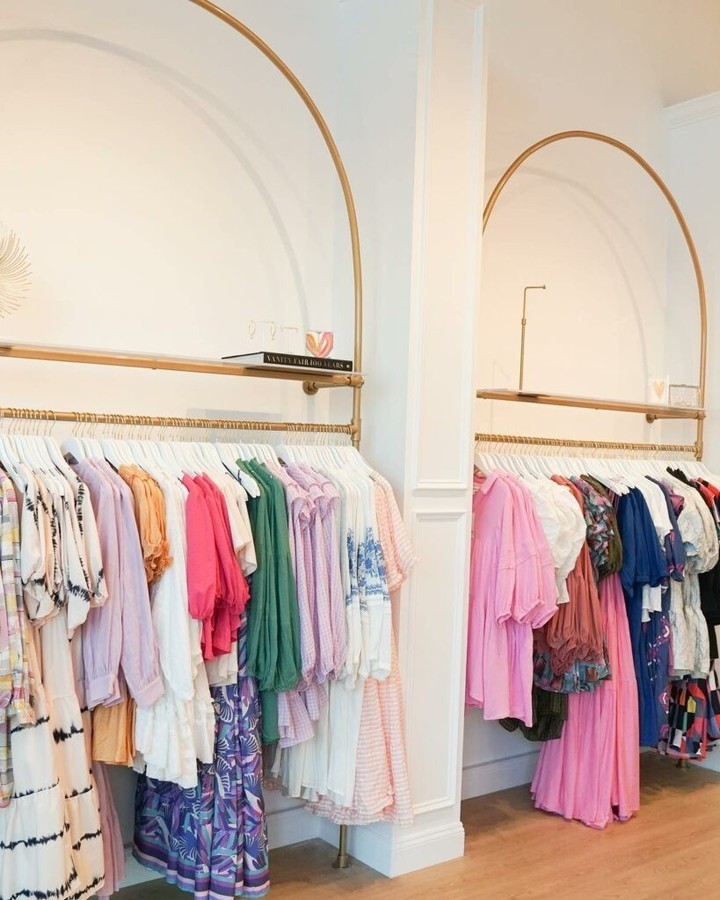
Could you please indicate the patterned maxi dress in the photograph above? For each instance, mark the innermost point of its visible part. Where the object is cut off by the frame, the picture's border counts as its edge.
(211, 840)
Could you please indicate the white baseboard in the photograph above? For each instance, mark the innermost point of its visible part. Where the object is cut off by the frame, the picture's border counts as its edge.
(428, 848)
(397, 851)
(135, 873)
(711, 762)
(498, 774)
(291, 826)
(394, 851)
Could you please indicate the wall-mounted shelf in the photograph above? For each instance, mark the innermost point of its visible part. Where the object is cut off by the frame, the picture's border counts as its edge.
(651, 411)
(176, 364)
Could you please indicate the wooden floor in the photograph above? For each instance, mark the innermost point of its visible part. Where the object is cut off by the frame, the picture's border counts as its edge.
(512, 851)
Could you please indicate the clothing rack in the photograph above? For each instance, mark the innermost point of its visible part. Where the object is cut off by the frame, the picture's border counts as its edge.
(311, 380)
(627, 446)
(651, 412)
(107, 418)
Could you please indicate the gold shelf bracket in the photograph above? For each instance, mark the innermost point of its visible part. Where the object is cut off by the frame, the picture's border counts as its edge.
(312, 387)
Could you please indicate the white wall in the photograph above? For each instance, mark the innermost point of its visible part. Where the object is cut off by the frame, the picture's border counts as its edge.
(437, 424)
(694, 144)
(169, 187)
(587, 221)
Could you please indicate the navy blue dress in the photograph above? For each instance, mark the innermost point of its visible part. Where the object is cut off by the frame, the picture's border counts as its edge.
(644, 564)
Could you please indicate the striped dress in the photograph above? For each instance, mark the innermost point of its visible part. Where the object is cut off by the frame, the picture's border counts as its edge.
(50, 842)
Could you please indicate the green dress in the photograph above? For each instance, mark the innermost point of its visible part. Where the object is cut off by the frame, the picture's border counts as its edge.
(273, 641)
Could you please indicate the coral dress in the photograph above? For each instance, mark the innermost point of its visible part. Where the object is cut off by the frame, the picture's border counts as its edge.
(592, 772)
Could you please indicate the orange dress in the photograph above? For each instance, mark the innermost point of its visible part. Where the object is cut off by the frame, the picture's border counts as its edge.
(114, 726)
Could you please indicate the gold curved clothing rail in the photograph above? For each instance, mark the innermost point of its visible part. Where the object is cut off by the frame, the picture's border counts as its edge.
(644, 164)
(302, 92)
(575, 444)
(140, 421)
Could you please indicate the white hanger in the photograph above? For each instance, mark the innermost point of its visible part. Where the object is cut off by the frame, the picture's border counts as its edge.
(145, 458)
(28, 449)
(74, 448)
(10, 460)
(179, 453)
(208, 453)
(111, 452)
(166, 459)
(93, 447)
(229, 454)
(80, 448)
(53, 449)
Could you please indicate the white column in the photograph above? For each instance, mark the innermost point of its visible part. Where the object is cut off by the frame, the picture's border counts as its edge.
(438, 437)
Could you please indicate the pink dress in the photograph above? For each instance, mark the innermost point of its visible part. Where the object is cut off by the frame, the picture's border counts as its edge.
(512, 591)
(592, 773)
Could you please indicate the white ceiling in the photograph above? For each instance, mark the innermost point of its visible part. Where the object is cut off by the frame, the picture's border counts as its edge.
(674, 44)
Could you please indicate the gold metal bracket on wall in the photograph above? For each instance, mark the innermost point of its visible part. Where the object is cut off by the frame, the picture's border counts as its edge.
(312, 387)
(651, 416)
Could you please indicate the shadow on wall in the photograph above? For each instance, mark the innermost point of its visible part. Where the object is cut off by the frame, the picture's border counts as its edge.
(600, 215)
(200, 102)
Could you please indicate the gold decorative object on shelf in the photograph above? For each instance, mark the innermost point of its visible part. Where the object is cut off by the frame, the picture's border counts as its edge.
(651, 411)
(14, 271)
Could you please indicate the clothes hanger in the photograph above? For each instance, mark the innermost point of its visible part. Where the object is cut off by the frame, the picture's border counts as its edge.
(164, 457)
(29, 448)
(268, 454)
(10, 460)
(208, 453)
(116, 446)
(111, 451)
(25, 453)
(229, 454)
(139, 451)
(58, 460)
(145, 457)
(189, 451)
(91, 443)
(179, 453)
(485, 462)
(325, 453)
(13, 457)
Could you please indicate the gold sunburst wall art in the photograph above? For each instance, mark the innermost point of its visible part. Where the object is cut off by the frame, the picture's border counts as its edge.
(15, 271)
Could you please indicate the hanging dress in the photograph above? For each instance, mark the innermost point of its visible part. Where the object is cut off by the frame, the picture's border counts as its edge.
(69, 589)
(211, 840)
(592, 772)
(382, 790)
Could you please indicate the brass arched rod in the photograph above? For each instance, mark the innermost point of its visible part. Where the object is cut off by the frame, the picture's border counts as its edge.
(302, 92)
(644, 164)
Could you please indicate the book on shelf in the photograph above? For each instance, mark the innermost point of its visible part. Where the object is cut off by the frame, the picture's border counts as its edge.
(291, 361)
